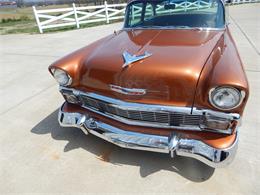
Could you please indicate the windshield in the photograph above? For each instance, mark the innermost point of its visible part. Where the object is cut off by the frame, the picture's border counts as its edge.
(175, 14)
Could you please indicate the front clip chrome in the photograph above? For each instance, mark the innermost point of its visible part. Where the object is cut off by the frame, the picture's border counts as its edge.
(176, 144)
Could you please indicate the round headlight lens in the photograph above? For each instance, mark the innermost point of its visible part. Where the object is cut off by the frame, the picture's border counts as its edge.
(225, 98)
(62, 77)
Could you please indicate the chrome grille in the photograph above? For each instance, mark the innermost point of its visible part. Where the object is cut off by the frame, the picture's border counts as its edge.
(153, 115)
(166, 118)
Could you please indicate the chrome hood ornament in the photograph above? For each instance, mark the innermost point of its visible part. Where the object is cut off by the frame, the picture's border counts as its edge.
(127, 91)
(129, 59)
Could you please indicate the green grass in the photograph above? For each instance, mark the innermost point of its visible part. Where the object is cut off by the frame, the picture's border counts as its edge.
(18, 26)
(21, 20)
(81, 26)
(15, 13)
(29, 27)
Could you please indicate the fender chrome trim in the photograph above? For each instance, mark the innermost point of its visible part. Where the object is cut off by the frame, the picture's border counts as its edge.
(176, 144)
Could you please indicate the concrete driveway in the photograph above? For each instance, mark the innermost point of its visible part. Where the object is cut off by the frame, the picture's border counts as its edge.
(36, 155)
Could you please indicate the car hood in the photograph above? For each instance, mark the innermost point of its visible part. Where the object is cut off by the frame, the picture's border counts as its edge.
(169, 75)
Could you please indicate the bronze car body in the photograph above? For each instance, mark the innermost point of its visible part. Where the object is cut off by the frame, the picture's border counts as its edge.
(160, 103)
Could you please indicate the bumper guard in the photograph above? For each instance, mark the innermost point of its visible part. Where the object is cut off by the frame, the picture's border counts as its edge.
(174, 145)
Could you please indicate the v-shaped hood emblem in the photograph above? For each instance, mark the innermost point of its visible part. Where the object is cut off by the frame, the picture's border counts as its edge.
(129, 59)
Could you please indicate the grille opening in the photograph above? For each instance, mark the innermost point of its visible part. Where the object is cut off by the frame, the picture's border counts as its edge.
(162, 117)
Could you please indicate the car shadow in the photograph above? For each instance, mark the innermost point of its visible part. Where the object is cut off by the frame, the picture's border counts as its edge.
(148, 162)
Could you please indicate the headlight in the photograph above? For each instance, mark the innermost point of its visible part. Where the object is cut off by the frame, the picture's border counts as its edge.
(225, 98)
(61, 77)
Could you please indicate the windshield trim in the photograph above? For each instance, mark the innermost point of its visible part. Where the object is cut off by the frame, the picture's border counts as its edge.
(176, 28)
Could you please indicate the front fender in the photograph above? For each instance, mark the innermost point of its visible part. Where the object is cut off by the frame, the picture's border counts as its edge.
(223, 68)
(72, 62)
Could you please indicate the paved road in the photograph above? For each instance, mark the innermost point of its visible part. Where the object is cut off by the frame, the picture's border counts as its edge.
(36, 155)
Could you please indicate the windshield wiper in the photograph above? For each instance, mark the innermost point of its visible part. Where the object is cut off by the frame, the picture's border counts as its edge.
(171, 27)
(186, 27)
(176, 27)
(150, 26)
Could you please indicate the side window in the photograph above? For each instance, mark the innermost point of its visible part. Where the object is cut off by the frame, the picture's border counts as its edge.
(135, 14)
(149, 12)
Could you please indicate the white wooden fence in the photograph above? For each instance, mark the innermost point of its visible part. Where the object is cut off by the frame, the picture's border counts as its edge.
(75, 16)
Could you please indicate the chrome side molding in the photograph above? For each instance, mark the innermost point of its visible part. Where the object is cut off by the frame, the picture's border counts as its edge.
(176, 144)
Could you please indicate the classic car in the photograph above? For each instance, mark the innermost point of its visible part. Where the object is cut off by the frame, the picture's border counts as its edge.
(170, 81)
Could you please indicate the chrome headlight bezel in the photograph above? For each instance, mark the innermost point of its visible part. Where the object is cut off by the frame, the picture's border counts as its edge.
(68, 78)
(214, 91)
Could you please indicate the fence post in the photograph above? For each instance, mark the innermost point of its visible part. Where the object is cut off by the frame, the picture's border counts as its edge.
(75, 15)
(198, 4)
(37, 19)
(106, 10)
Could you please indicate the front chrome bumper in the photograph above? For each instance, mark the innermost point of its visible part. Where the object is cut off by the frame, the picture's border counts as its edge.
(176, 144)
